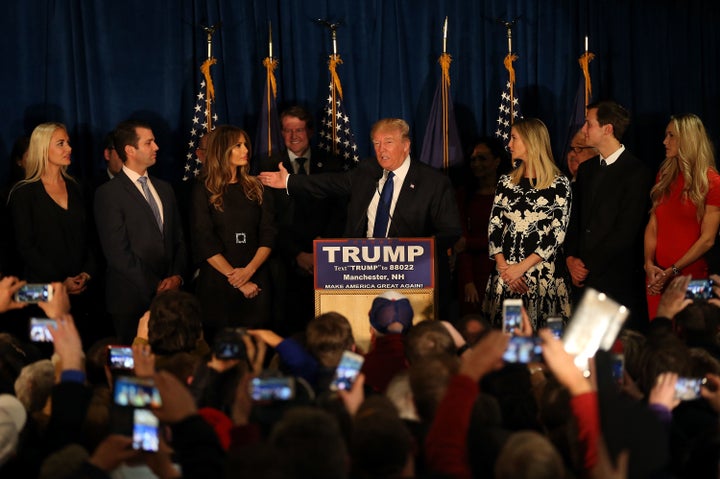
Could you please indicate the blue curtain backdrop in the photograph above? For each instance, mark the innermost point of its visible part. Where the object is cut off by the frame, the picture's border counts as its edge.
(92, 63)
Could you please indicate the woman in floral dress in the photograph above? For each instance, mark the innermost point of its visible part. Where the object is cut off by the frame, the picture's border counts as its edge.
(527, 226)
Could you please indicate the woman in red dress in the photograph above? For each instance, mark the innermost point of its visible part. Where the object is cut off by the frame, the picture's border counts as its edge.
(686, 208)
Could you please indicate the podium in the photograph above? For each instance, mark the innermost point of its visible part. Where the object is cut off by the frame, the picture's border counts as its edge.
(350, 273)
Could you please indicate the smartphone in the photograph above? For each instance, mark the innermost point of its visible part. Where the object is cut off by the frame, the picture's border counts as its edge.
(687, 389)
(135, 392)
(229, 344)
(120, 357)
(34, 293)
(272, 389)
(555, 324)
(512, 315)
(617, 367)
(521, 349)
(145, 431)
(700, 289)
(40, 330)
(347, 371)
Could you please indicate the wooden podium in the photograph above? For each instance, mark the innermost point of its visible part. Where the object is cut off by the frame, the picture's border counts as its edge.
(350, 273)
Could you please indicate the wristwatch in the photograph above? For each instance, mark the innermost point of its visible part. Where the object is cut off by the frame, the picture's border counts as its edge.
(675, 270)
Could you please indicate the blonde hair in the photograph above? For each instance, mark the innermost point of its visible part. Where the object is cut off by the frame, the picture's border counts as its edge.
(391, 124)
(38, 154)
(218, 171)
(695, 156)
(539, 157)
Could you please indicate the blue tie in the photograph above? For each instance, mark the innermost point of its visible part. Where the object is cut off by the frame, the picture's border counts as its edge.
(151, 201)
(382, 216)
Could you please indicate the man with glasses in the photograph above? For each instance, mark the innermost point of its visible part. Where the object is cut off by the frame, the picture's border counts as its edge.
(578, 153)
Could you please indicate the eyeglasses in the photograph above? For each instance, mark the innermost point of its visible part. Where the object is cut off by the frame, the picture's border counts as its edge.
(579, 149)
(297, 131)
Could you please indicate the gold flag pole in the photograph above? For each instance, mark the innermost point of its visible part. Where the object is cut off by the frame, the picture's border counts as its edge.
(205, 69)
(336, 91)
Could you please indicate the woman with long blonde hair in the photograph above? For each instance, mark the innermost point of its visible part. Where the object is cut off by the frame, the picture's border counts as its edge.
(528, 222)
(685, 210)
(233, 232)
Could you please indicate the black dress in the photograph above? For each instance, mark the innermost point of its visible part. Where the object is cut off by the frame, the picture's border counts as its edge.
(236, 232)
(526, 220)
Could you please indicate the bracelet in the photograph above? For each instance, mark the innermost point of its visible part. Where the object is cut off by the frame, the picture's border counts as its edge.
(675, 270)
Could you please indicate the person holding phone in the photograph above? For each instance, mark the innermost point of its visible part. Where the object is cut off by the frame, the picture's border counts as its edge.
(528, 221)
(685, 212)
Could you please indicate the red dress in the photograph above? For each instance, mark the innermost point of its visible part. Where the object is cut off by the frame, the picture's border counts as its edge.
(678, 228)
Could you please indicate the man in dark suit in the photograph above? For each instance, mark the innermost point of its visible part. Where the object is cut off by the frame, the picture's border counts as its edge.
(420, 202)
(140, 232)
(604, 243)
(301, 219)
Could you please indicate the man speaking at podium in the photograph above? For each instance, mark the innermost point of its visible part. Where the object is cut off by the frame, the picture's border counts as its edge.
(391, 197)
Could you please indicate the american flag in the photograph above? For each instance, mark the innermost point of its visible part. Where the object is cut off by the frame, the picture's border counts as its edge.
(505, 118)
(199, 127)
(336, 136)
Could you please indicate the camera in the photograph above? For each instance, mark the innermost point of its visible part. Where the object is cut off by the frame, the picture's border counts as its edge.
(229, 344)
(266, 389)
(120, 357)
(347, 371)
(521, 349)
(700, 289)
(687, 389)
(39, 330)
(512, 315)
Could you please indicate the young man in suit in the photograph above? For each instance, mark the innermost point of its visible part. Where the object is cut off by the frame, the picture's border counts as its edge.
(420, 202)
(301, 219)
(604, 244)
(139, 228)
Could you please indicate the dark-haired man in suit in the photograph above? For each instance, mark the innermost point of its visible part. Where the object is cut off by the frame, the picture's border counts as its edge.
(301, 219)
(604, 243)
(420, 201)
(139, 228)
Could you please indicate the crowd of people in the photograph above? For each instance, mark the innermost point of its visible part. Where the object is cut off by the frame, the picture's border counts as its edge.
(215, 297)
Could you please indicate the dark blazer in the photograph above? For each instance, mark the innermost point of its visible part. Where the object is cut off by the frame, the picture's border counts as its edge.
(302, 218)
(425, 207)
(138, 255)
(607, 224)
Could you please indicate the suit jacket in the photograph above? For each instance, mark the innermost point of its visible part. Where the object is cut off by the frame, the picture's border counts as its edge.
(609, 214)
(302, 218)
(425, 207)
(138, 255)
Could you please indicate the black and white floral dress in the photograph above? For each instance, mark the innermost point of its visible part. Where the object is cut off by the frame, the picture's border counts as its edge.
(526, 220)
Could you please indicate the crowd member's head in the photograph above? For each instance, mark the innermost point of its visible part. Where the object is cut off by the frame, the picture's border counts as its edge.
(529, 455)
(578, 153)
(135, 145)
(310, 444)
(429, 378)
(400, 393)
(327, 337)
(18, 158)
(201, 150)
(530, 143)
(12, 359)
(633, 346)
(605, 124)
(381, 446)
(666, 353)
(49, 146)
(428, 339)
(297, 129)
(228, 161)
(391, 140)
(34, 385)
(391, 313)
(485, 160)
(12, 421)
(688, 152)
(472, 327)
(698, 323)
(114, 163)
(175, 324)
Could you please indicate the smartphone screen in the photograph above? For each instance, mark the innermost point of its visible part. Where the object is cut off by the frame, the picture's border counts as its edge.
(512, 315)
(555, 324)
(272, 389)
(521, 349)
(136, 392)
(700, 289)
(145, 430)
(687, 389)
(120, 357)
(617, 364)
(34, 293)
(39, 330)
(347, 371)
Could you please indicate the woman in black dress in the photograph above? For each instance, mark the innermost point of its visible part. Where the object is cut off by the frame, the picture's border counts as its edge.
(528, 222)
(50, 221)
(233, 232)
